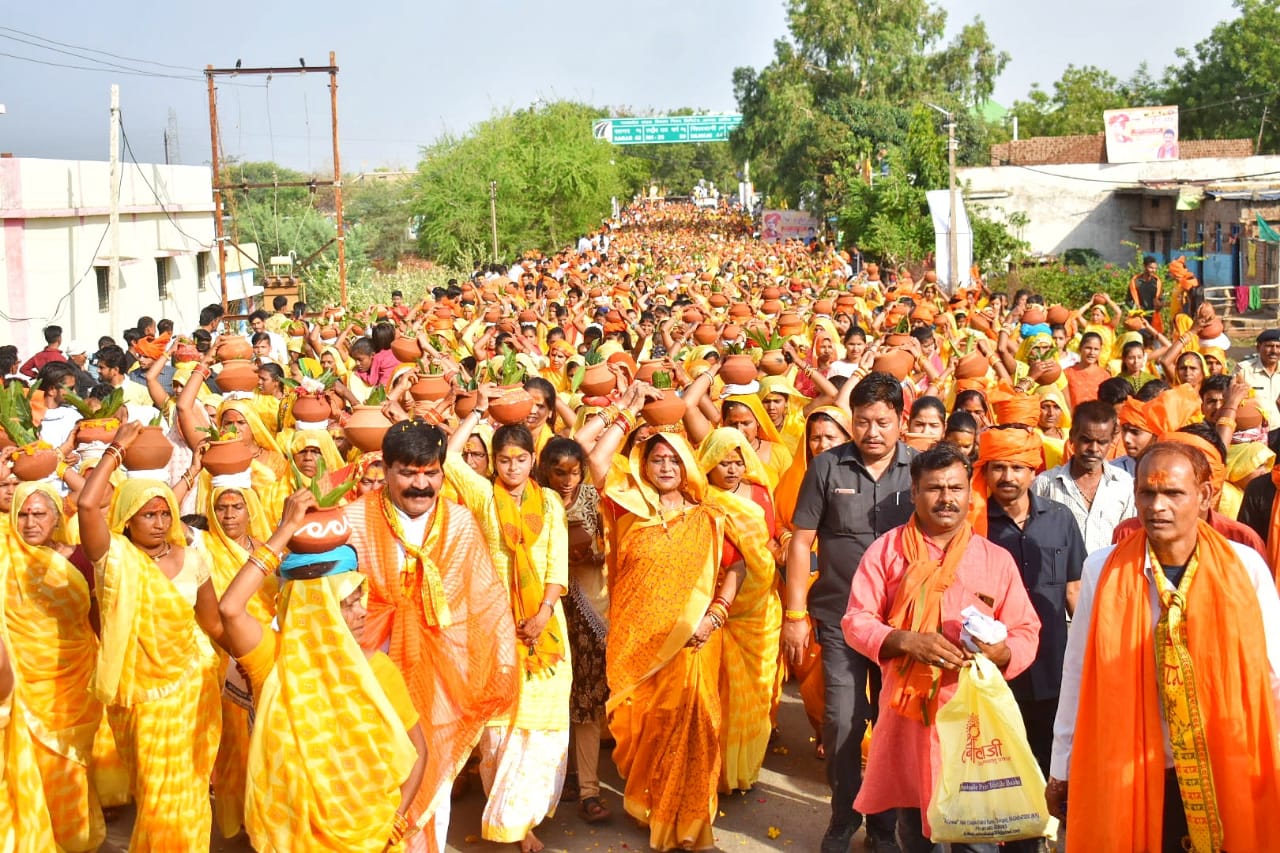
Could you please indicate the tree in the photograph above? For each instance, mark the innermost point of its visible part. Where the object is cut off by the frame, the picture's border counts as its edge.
(378, 210)
(554, 182)
(1224, 87)
(1077, 102)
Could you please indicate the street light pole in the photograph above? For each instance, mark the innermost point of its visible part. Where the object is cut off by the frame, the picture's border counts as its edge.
(953, 248)
(493, 216)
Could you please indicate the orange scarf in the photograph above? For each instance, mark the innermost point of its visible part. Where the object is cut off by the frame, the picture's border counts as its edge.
(918, 607)
(1118, 733)
(1023, 446)
(521, 525)
(1273, 532)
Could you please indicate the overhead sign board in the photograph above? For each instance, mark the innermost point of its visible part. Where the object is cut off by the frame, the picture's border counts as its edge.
(1141, 134)
(657, 130)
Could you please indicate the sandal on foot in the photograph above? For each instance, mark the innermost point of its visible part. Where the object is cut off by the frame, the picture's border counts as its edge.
(593, 810)
(570, 792)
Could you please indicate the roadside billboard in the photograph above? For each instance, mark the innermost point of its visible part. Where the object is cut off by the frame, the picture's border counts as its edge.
(1141, 134)
(777, 226)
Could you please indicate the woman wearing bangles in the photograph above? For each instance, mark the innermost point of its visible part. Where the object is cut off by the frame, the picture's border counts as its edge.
(668, 598)
(523, 759)
(157, 673)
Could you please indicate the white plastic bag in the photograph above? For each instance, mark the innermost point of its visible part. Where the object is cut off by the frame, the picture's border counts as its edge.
(990, 787)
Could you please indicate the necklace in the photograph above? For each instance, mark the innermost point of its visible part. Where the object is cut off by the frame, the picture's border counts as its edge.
(168, 546)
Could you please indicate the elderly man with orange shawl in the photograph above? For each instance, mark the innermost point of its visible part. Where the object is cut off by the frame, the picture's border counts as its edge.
(1167, 728)
(904, 612)
(438, 609)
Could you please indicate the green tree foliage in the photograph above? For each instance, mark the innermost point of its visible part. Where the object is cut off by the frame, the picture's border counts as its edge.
(555, 181)
(1224, 84)
(1078, 100)
(378, 211)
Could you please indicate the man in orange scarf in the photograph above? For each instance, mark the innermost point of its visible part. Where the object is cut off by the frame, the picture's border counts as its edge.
(1166, 728)
(904, 612)
(437, 607)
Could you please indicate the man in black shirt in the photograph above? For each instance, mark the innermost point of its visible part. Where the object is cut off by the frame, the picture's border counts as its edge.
(851, 494)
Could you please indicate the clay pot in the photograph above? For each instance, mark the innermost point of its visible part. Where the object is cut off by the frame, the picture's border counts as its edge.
(492, 314)
(329, 333)
(512, 406)
(772, 306)
(790, 324)
(97, 429)
(238, 374)
(366, 427)
(1099, 299)
(185, 352)
(931, 277)
(406, 350)
(897, 362)
(227, 457)
(465, 403)
(431, 387)
(773, 363)
(1034, 315)
(740, 310)
(897, 339)
(233, 348)
(1212, 330)
(737, 369)
(822, 306)
(858, 290)
(972, 366)
(321, 530)
(1248, 416)
(771, 293)
(706, 333)
(1058, 315)
(873, 272)
(1133, 323)
(312, 408)
(598, 380)
(1045, 372)
(648, 367)
(980, 321)
(149, 451)
(665, 411)
(846, 302)
(718, 300)
(731, 332)
(691, 315)
(34, 465)
(297, 329)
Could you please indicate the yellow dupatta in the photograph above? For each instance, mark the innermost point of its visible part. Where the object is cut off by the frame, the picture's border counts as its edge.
(328, 752)
(521, 525)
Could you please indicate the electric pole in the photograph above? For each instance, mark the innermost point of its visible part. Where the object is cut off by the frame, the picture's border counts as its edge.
(113, 215)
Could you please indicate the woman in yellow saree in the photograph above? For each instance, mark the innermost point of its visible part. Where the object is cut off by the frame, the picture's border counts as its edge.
(665, 537)
(46, 604)
(24, 817)
(523, 760)
(749, 658)
(157, 673)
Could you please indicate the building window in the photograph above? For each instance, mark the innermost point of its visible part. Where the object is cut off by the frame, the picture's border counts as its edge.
(1183, 244)
(202, 271)
(162, 277)
(1200, 236)
(104, 289)
(1217, 238)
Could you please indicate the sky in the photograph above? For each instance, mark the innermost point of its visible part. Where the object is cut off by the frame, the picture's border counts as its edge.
(410, 72)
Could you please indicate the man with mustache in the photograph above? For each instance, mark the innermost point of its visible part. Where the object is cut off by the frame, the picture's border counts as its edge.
(437, 608)
(904, 613)
(1100, 496)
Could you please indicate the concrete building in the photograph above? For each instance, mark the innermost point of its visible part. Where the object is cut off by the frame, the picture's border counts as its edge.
(1204, 204)
(56, 251)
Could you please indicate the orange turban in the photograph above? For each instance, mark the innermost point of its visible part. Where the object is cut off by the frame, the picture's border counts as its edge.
(1134, 413)
(153, 347)
(1020, 446)
(1014, 407)
(925, 313)
(1217, 468)
(1172, 409)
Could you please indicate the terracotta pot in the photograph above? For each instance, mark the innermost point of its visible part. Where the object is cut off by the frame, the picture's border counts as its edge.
(1212, 330)
(238, 375)
(1058, 315)
(790, 324)
(329, 333)
(321, 530)
(665, 411)
(35, 465)
(512, 406)
(366, 427)
(1099, 299)
(1133, 323)
(1034, 315)
(822, 306)
(858, 290)
(772, 306)
(185, 352)
(406, 350)
(598, 380)
(1248, 416)
(972, 366)
(465, 403)
(740, 310)
(1046, 372)
(233, 348)
(873, 272)
(737, 369)
(773, 363)
(731, 332)
(718, 300)
(297, 329)
(897, 339)
(97, 429)
(149, 451)
(431, 387)
(979, 321)
(846, 302)
(227, 457)
(648, 367)
(311, 408)
(772, 293)
(931, 277)
(706, 334)
(897, 362)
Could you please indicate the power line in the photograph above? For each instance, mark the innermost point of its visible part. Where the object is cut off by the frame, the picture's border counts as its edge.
(119, 70)
(103, 52)
(75, 55)
(1188, 181)
(129, 150)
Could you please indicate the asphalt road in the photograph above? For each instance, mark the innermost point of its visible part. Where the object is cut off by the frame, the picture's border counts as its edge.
(790, 801)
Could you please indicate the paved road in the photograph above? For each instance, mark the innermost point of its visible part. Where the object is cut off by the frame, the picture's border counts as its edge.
(790, 797)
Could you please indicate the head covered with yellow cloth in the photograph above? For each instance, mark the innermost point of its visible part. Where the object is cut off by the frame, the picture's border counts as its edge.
(246, 415)
(130, 499)
(321, 713)
(720, 444)
(41, 490)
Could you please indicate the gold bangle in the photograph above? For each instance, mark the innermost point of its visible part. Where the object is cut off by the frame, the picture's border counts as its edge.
(262, 567)
(795, 615)
(269, 560)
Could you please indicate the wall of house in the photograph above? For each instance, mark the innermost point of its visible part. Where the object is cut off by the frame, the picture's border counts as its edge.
(56, 247)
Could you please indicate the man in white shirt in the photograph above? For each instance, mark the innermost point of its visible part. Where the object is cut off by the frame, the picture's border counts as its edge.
(57, 378)
(1100, 496)
(1166, 732)
(1262, 372)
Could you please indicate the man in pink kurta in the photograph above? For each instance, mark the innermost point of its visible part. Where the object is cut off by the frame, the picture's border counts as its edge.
(903, 764)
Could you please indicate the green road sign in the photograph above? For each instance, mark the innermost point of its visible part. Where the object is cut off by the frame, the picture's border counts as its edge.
(652, 130)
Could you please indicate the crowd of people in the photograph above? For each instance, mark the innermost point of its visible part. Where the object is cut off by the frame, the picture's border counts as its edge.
(290, 582)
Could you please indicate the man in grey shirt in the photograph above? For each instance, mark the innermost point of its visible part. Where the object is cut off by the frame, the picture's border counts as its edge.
(851, 494)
